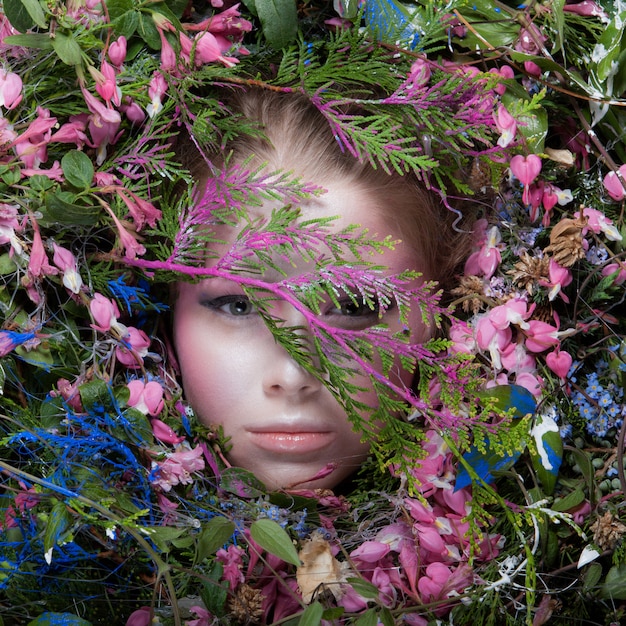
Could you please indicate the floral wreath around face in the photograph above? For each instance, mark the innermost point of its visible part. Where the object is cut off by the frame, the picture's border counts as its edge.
(497, 498)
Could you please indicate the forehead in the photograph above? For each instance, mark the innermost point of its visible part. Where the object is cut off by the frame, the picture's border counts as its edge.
(348, 204)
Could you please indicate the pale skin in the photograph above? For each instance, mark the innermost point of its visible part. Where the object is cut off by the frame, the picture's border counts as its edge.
(284, 425)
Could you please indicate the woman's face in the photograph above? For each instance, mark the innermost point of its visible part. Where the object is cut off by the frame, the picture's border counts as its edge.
(284, 425)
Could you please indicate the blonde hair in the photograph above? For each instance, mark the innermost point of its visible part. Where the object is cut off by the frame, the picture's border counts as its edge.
(296, 137)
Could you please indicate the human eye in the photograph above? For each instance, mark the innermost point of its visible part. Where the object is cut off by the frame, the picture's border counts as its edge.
(235, 305)
(353, 312)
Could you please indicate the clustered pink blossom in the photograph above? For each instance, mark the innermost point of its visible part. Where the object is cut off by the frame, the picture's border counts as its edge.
(178, 468)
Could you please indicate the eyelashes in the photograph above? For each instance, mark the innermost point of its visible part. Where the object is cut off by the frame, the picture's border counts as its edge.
(348, 312)
(235, 305)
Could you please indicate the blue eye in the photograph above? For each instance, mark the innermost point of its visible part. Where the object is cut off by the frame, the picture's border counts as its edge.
(235, 305)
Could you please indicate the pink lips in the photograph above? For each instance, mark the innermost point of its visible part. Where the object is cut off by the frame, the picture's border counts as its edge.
(292, 442)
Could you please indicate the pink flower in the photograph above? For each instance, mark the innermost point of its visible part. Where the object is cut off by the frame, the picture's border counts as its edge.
(441, 582)
(204, 617)
(38, 265)
(168, 56)
(146, 397)
(72, 131)
(530, 381)
(10, 89)
(141, 210)
(104, 313)
(587, 8)
(232, 559)
(156, 91)
(514, 311)
(178, 468)
(135, 348)
(117, 51)
(420, 73)
(104, 124)
(485, 261)
(69, 392)
(525, 169)
(614, 185)
(506, 125)
(210, 48)
(505, 72)
(66, 262)
(612, 268)
(165, 433)
(132, 111)
(9, 225)
(228, 23)
(559, 362)
(540, 336)
(370, 551)
(559, 277)
(598, 223)
(140, 617)
(462, 338)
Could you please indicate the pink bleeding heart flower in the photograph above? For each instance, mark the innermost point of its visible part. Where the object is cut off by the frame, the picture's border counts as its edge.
(117, 51)
(146, 397)
(525, 169)
(559, 362)
(614, 185)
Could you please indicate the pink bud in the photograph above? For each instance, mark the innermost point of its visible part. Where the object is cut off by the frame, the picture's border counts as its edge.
(614, 185)
(420, 73)
(559, 362)
(104, 312)
(164, 433)
(10, 89)
(506, 125)
(117, 51)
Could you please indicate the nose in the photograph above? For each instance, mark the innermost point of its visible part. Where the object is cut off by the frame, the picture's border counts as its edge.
(283, 375)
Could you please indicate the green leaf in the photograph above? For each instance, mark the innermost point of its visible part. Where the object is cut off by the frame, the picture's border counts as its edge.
(148, 31)
(584, 463)
(24, 14)
(386, 617)
(569, 501)
(60, 208)
(592, 577)
(41, 356)
(67, 48)
(215, 533)
(534, 128)
(279, 20)
(77, 169)
(138, 429)
(58, 521)
(608, 47)
(95, 393)
(312, 615)
(59, 619)
(7, 264)
(364, 588)
(369, 618)
(126, 25)
(163, 536)
(214, 591)
(117, 8)
(40, 41)
(614, 586)
(241, 482)
(271, 537)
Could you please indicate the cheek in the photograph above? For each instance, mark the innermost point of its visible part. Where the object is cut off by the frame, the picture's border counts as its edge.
(209, 368)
